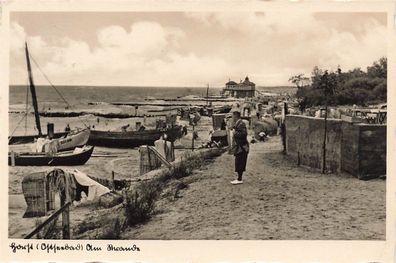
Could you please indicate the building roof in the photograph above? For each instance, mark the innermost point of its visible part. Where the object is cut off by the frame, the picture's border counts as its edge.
(231, 83)
(248, 82)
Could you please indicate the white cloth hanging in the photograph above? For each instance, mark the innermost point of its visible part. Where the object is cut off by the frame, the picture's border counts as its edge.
(165, 149)
(40, 144)
(95, 189)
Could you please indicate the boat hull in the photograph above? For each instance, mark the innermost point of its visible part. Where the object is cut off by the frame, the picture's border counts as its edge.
(25, 139)
(62, 158)
(73, 140)
(131, 139)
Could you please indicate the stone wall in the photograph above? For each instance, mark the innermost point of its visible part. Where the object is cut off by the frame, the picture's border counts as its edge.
(304, 141)
(372, 151)
(359, 149)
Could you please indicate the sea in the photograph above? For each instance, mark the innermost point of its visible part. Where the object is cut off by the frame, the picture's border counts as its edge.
(76, 95)
(96, 99)
(82, 94)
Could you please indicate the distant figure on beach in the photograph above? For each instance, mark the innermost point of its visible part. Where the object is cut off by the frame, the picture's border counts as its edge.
(240, 147)
(67, 128)
(124, 128)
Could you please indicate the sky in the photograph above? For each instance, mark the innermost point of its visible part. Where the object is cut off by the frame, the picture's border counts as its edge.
(190, 48)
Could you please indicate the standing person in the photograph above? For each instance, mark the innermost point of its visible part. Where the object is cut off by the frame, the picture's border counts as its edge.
(240, 147)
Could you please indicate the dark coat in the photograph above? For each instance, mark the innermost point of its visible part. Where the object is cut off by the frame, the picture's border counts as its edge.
(240, 142)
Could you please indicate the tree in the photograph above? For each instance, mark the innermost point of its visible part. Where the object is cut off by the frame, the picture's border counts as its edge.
(378, 69)
(342, 88)
(299, 80)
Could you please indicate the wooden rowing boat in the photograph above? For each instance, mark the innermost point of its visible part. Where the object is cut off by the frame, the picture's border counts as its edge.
(131, 139)
(67, 140)
(44, 159)
(25, 139)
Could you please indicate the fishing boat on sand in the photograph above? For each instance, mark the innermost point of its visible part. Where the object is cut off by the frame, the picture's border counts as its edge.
(131, 139)
(67, 140)
(25, 139)
(78, 156)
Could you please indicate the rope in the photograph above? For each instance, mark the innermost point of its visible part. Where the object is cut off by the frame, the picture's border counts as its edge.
(12, 134)
(60, 95)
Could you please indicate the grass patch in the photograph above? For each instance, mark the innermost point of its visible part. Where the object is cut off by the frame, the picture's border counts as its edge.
(140, 202)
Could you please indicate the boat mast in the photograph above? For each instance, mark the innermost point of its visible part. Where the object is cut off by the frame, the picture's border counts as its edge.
(33, 91)
(207, 94)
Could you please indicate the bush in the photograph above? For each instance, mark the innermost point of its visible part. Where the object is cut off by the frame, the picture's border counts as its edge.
(345, 88)
(140, 203)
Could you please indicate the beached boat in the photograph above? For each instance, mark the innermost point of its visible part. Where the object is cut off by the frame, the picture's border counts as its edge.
(75, 138)
(77, 157)
(130, 139)
(25, 139)
(67, 140)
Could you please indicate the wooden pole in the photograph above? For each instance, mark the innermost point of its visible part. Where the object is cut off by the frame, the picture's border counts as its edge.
(324, 141)
(193, 135)
(65, 213)
(12, 158)
(112, 180)
(66, 223)
(207, 95)
(27, 108)
(33, 91)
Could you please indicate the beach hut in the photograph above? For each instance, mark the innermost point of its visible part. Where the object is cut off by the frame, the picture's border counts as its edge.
(39, 192)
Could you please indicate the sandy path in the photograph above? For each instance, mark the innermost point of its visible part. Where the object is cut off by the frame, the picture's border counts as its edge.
(278, 200)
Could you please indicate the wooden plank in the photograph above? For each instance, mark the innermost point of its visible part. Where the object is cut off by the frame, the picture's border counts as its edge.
(160, 157)
(48, 220)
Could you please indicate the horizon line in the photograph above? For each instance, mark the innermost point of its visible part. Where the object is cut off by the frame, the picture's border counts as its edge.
(134, 86)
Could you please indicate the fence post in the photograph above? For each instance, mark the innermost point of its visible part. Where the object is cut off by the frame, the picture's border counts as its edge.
(12, 158)
(112, 180)
(324, 142)
(193, 130)
(65, 214)
(66, 223)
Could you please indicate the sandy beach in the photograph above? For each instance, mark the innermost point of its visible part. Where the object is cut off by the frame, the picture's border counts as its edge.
(123, 162)
(279, 201)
